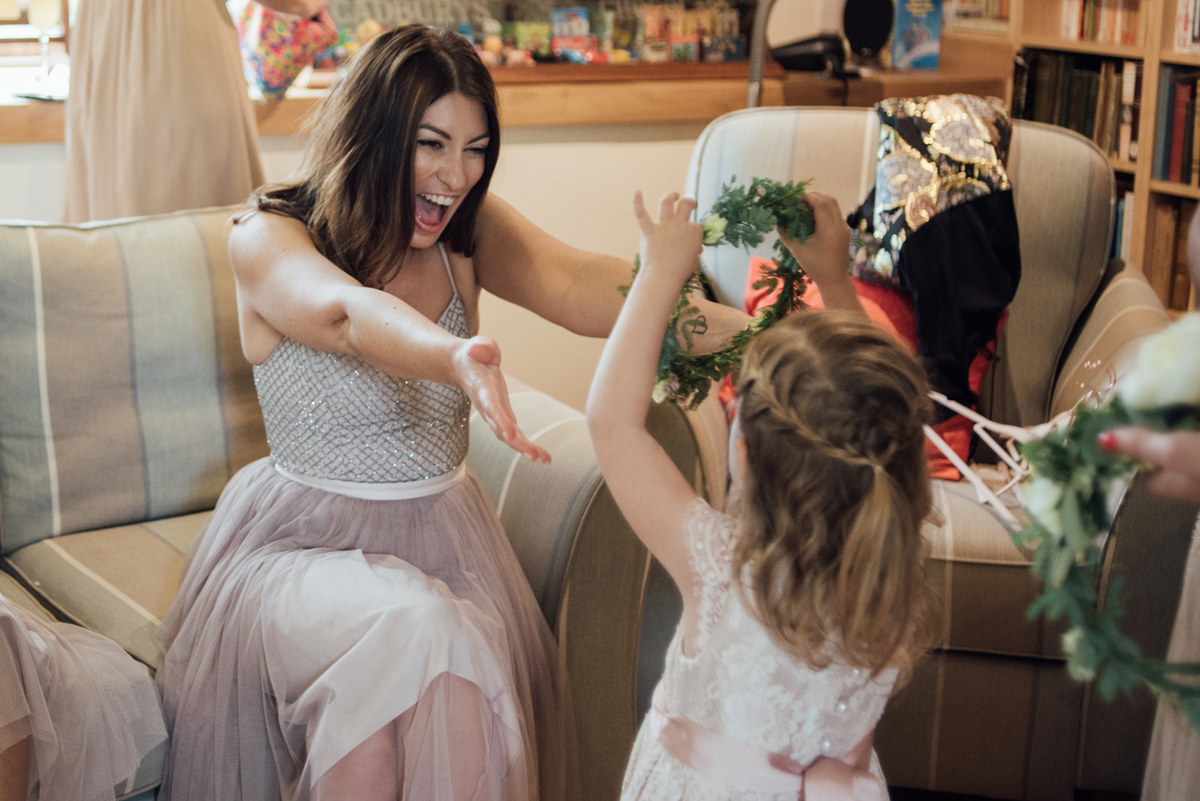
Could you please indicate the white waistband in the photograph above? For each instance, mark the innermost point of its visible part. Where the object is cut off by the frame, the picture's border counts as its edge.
(395, 491)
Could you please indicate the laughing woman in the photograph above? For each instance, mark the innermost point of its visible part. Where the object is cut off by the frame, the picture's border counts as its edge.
(353, 622)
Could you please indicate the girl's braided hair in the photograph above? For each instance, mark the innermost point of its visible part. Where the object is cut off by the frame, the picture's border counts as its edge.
(836, 489)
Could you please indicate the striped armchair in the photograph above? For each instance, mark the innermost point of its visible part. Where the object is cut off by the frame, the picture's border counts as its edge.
(126, 405)
(992, 711)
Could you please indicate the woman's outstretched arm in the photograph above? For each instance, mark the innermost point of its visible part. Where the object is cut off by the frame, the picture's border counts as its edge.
(521, 263)
(651, 492)
(287, 289)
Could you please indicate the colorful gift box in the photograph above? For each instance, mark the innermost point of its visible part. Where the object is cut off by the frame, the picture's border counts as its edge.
(531, 36)
(277, 47)
(571, 22)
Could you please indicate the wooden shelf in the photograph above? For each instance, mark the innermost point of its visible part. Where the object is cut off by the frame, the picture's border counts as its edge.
(608, 73)
(538, 103)
(1108, 49)
(1175, 189)
(1122, 166)
(1181, 59)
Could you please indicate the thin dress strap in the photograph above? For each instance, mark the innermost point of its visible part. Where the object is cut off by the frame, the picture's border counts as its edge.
(449, 272)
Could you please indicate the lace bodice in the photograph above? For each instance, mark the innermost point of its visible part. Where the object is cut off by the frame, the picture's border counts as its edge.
(739, 683)
(333, 416)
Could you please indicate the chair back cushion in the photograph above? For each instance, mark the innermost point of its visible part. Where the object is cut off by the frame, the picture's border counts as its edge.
(1065, 197)
(124, 395)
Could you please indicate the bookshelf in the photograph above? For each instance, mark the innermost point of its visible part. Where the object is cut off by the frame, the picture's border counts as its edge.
(1138, 31)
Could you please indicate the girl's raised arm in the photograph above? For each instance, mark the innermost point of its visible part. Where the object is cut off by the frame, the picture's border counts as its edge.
(651, 492)
(288, 289)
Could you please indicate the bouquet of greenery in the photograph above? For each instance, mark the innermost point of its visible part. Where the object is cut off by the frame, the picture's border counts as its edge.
(1070, 496)
(742, 216)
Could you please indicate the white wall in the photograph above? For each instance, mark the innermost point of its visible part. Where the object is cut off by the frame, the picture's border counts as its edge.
(32, 181)
(573, 182)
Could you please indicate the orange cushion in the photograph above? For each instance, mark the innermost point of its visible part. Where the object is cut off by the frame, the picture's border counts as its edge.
(891, 310)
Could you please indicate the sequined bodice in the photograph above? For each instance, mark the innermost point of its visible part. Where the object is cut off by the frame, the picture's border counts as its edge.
(333, 416)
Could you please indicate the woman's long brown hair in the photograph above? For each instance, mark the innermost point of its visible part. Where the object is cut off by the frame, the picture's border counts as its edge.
(355, 189)
(836, 489)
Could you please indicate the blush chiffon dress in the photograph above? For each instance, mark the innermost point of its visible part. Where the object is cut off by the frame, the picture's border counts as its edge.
(358, 582)
(89, 709)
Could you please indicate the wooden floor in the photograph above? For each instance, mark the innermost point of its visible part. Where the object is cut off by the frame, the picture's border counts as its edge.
(902, 794)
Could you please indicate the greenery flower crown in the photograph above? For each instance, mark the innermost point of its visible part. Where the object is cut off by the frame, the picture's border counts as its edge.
(1074, 481)
(742, 216)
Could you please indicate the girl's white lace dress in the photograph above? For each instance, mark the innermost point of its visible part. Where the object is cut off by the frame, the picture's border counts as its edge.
(740, 684)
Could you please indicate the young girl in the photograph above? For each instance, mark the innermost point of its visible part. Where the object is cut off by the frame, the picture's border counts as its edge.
(800, 611)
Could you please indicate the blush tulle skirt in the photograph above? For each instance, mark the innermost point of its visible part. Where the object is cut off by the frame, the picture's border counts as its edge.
(90, 710)
(320, 639)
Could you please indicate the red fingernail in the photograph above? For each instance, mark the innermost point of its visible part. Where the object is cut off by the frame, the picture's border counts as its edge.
(1107, 440)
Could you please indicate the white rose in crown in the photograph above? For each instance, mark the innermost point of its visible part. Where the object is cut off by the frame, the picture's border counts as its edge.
(1041, 501)
(714, 229)
(1167, 372)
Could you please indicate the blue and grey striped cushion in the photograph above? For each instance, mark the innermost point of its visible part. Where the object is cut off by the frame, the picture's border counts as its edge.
(123, 392)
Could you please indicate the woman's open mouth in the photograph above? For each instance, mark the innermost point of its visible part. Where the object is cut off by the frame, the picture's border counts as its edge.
(431, 211)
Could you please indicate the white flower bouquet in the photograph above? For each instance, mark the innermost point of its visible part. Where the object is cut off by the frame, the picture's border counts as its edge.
(1069, 497)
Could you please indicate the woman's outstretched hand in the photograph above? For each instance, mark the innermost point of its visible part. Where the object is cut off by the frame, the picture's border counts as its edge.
(477, 363)
(1175, 453)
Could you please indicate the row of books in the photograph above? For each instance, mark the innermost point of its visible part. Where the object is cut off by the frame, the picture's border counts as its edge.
(1176, 146)
(1168, 269)
(1098, 97)
(977, 9)
(1187, 26)
(1113, 21)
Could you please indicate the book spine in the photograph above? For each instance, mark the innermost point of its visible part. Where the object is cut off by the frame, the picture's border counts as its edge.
(1166, 218)
(1185, 168)
(1195, 171)
(1138, 71)
(1180, 277)
(1182, 25)
(1062, 89)
(1162, 123)
(1125, 132)
(1091, 102)
(1118, 230)
(1127, 226)
(1178, 125)
(1102, 93)
(1113, 116)
(1108, 13)
(1040, 70)
(1130, 20)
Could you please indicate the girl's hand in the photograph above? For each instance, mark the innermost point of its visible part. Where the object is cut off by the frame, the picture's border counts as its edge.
(826, 254)
(673, 244)
(477, 363)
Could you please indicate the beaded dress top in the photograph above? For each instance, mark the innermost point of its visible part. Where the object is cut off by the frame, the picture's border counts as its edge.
(333, 416)
(742, 685)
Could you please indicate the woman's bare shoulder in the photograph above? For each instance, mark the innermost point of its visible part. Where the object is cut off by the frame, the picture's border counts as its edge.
(258, 238)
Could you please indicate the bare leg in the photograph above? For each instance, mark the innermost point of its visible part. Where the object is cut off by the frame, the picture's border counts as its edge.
(468, 722)
(14, 771)
(439, 748)
(371, 772)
